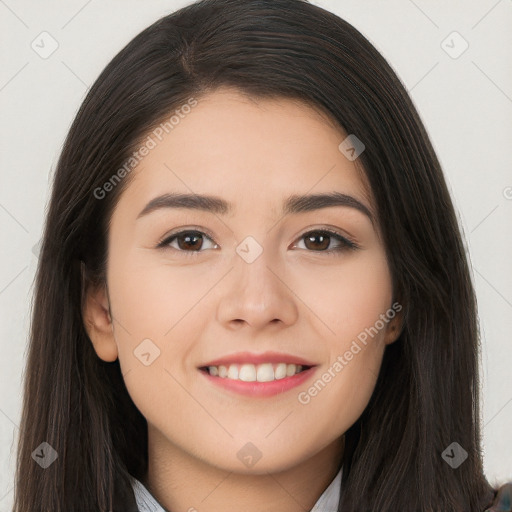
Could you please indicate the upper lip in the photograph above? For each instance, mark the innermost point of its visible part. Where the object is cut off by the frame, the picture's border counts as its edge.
(264, 357)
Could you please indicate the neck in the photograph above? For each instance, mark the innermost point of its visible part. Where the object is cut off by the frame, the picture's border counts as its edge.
(180, 481)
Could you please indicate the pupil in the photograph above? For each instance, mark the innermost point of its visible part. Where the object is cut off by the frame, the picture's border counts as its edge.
(324, 238)
(187, 244)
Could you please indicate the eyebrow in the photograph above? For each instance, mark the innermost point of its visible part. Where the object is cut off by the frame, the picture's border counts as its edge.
(292, 205)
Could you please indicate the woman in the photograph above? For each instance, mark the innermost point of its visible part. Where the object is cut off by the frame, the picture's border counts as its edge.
(318, 350)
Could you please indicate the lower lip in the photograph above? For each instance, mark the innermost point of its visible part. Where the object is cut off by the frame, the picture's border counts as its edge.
(261, 389)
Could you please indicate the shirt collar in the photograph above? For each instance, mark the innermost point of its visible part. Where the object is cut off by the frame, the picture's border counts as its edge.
(328, 501)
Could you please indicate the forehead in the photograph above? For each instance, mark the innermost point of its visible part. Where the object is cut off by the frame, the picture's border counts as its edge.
(253, 152)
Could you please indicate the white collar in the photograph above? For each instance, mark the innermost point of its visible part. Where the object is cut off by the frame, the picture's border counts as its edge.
(328, 501)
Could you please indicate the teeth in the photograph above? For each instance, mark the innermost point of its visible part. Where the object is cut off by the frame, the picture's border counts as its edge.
(290, 370)
(247, 372)
(265, 372)
(233, 372)
(280, 371)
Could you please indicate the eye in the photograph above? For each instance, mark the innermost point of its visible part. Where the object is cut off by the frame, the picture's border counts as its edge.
(187, 241)
(320, 239)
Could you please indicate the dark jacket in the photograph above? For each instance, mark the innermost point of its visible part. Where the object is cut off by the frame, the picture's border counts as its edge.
(503, 499)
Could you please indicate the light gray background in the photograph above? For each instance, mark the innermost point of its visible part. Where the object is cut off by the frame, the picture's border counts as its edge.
(465, 103)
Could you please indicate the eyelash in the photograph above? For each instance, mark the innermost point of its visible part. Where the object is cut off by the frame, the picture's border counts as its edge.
(347, 245)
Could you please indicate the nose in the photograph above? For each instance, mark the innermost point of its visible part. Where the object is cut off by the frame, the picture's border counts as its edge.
(256, 295)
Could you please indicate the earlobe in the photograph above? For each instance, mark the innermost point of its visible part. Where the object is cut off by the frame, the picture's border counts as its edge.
(99, 324)
(394, 328)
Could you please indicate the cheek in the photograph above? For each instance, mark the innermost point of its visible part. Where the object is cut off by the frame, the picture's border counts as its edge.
(160, 311)
(348, 297)
(344, 385)
(153, 305)
(349, 302)
(151, 298)
(342, 391)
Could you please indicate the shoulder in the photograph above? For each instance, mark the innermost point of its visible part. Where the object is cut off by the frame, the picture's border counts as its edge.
(503, 499)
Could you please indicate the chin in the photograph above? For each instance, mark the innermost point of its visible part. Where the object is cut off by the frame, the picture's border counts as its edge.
(251, 459)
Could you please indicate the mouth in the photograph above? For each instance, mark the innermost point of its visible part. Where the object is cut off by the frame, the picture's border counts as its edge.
(259, 378)
(248, 372)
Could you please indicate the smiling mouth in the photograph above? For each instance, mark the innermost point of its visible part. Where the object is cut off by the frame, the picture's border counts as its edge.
(248, 372)
(258, 381)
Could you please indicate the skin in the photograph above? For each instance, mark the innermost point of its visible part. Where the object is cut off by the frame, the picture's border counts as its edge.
(199, 305)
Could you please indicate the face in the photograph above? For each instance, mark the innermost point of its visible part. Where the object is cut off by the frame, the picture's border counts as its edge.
(189, 286)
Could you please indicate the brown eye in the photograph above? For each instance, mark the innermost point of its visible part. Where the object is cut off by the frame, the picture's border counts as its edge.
(320, 240)
(192, 241)
(187, 241)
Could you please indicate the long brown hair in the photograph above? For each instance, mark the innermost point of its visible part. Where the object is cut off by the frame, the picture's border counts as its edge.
(427, 393)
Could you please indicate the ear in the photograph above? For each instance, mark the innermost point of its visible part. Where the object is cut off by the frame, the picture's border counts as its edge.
(394, 327)
(98, 322)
